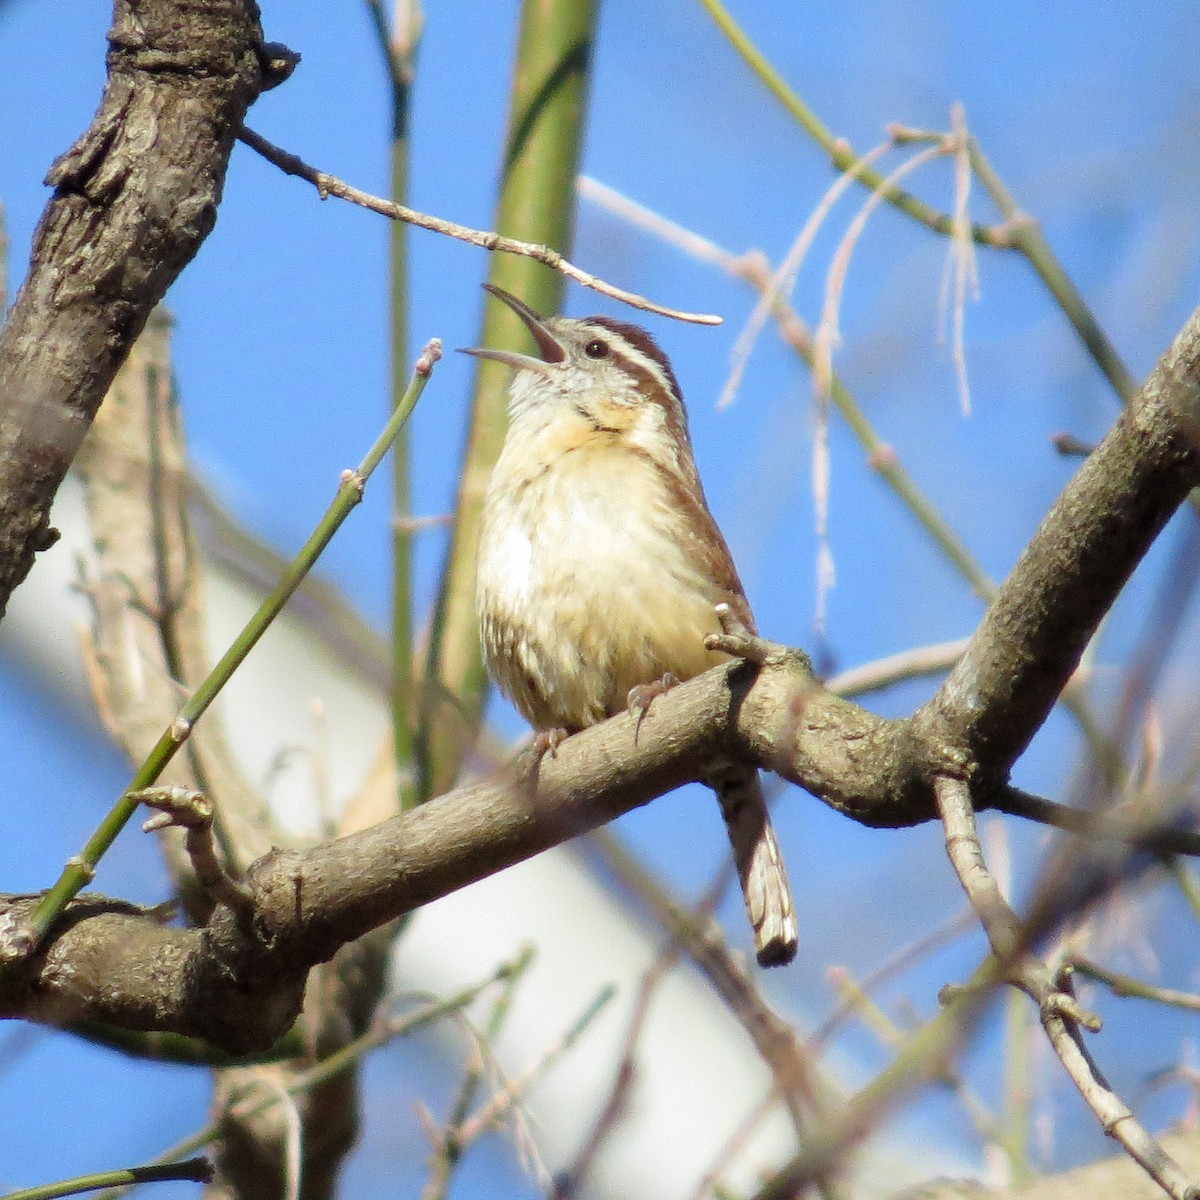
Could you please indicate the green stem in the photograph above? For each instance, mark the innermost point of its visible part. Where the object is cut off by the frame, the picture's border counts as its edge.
(380, 1034)
(536, 203)
(1128, 987)
(449, 1149)
(194, 1170)
(398, 47)
(1013, 1132)
(921, 1059)
(840, 152)
(883, 459)
(1026, 236)
(1019, 232)
(80, 870)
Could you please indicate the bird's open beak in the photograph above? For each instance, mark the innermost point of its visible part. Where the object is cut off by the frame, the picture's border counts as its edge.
(550, 348)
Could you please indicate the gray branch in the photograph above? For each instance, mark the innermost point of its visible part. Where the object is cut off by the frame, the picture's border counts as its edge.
(238, 981)
(133, 200)
(1034, 634)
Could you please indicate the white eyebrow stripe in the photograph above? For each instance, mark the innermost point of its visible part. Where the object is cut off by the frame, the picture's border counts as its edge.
(639, 358)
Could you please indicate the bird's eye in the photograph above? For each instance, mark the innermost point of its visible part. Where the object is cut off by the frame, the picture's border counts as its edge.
(596, 348)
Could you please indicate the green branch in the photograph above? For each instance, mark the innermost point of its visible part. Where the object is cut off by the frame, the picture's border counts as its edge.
(536, 203)
(80, 870)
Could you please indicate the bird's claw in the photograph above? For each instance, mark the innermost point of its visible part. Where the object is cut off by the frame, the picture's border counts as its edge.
(642, 695)
(547, 741)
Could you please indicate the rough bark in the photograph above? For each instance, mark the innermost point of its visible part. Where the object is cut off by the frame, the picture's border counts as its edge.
(133, 200)
(1035, 632)
(240, 984)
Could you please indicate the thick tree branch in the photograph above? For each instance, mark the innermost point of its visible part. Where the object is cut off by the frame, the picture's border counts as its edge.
(116, 964)
(133, 199)
(239, 983)
(1033, 635)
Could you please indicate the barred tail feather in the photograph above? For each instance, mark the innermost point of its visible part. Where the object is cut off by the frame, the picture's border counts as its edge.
(759, 864)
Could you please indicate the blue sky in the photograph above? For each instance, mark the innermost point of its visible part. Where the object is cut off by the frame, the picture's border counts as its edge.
(1090, 113)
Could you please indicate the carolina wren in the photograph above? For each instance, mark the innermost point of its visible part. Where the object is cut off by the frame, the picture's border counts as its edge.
(600, 563)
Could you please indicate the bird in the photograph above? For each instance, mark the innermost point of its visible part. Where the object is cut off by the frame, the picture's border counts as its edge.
(600, 566)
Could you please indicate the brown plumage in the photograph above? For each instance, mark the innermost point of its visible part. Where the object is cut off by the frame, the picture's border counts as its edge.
(600, 565)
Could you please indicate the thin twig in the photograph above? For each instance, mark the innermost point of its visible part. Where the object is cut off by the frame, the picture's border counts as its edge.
(379, 1035)
(568, 1182)
(449, 1145)
(1159, 836)
(798, 1083)
(193, 1170)
(1115, 1116)
(80, 869)
(503, 1102)
(822, 367)
(882, 457)
(893, 1036)
(1070, 446)
(827, 331)
(916, 663)
(784, 276)
(1137, 989)
(1061, 1014)
(330, 185)
(1018, 231)
(961, 268)
(903, 960)
(707, 1187)
(671, 232)
(192, 811)
(1001, 924)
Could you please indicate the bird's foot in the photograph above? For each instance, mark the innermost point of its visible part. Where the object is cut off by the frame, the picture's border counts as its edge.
(642, 695)
(547, 741)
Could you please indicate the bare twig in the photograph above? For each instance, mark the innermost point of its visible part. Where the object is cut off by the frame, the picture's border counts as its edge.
(1070, 446)
(826, 339)
(1115, 1117)
(1061, 1014)
(147, 644)
(961, 268)
(903, 960)
(1154, 834)
(796, 1081)
(492, 1113)
(1018, 231)
(448, 1144)
(193, 1170)
(894, 1036)
(1138, 989)
(80, 868)
(655, 224)
(827, 330)
(334, 1064)
(1001, 924)
(330, 185)
(897, 668)
(882, 457)
(568, 1182)
(190, 810)
(784, 276)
